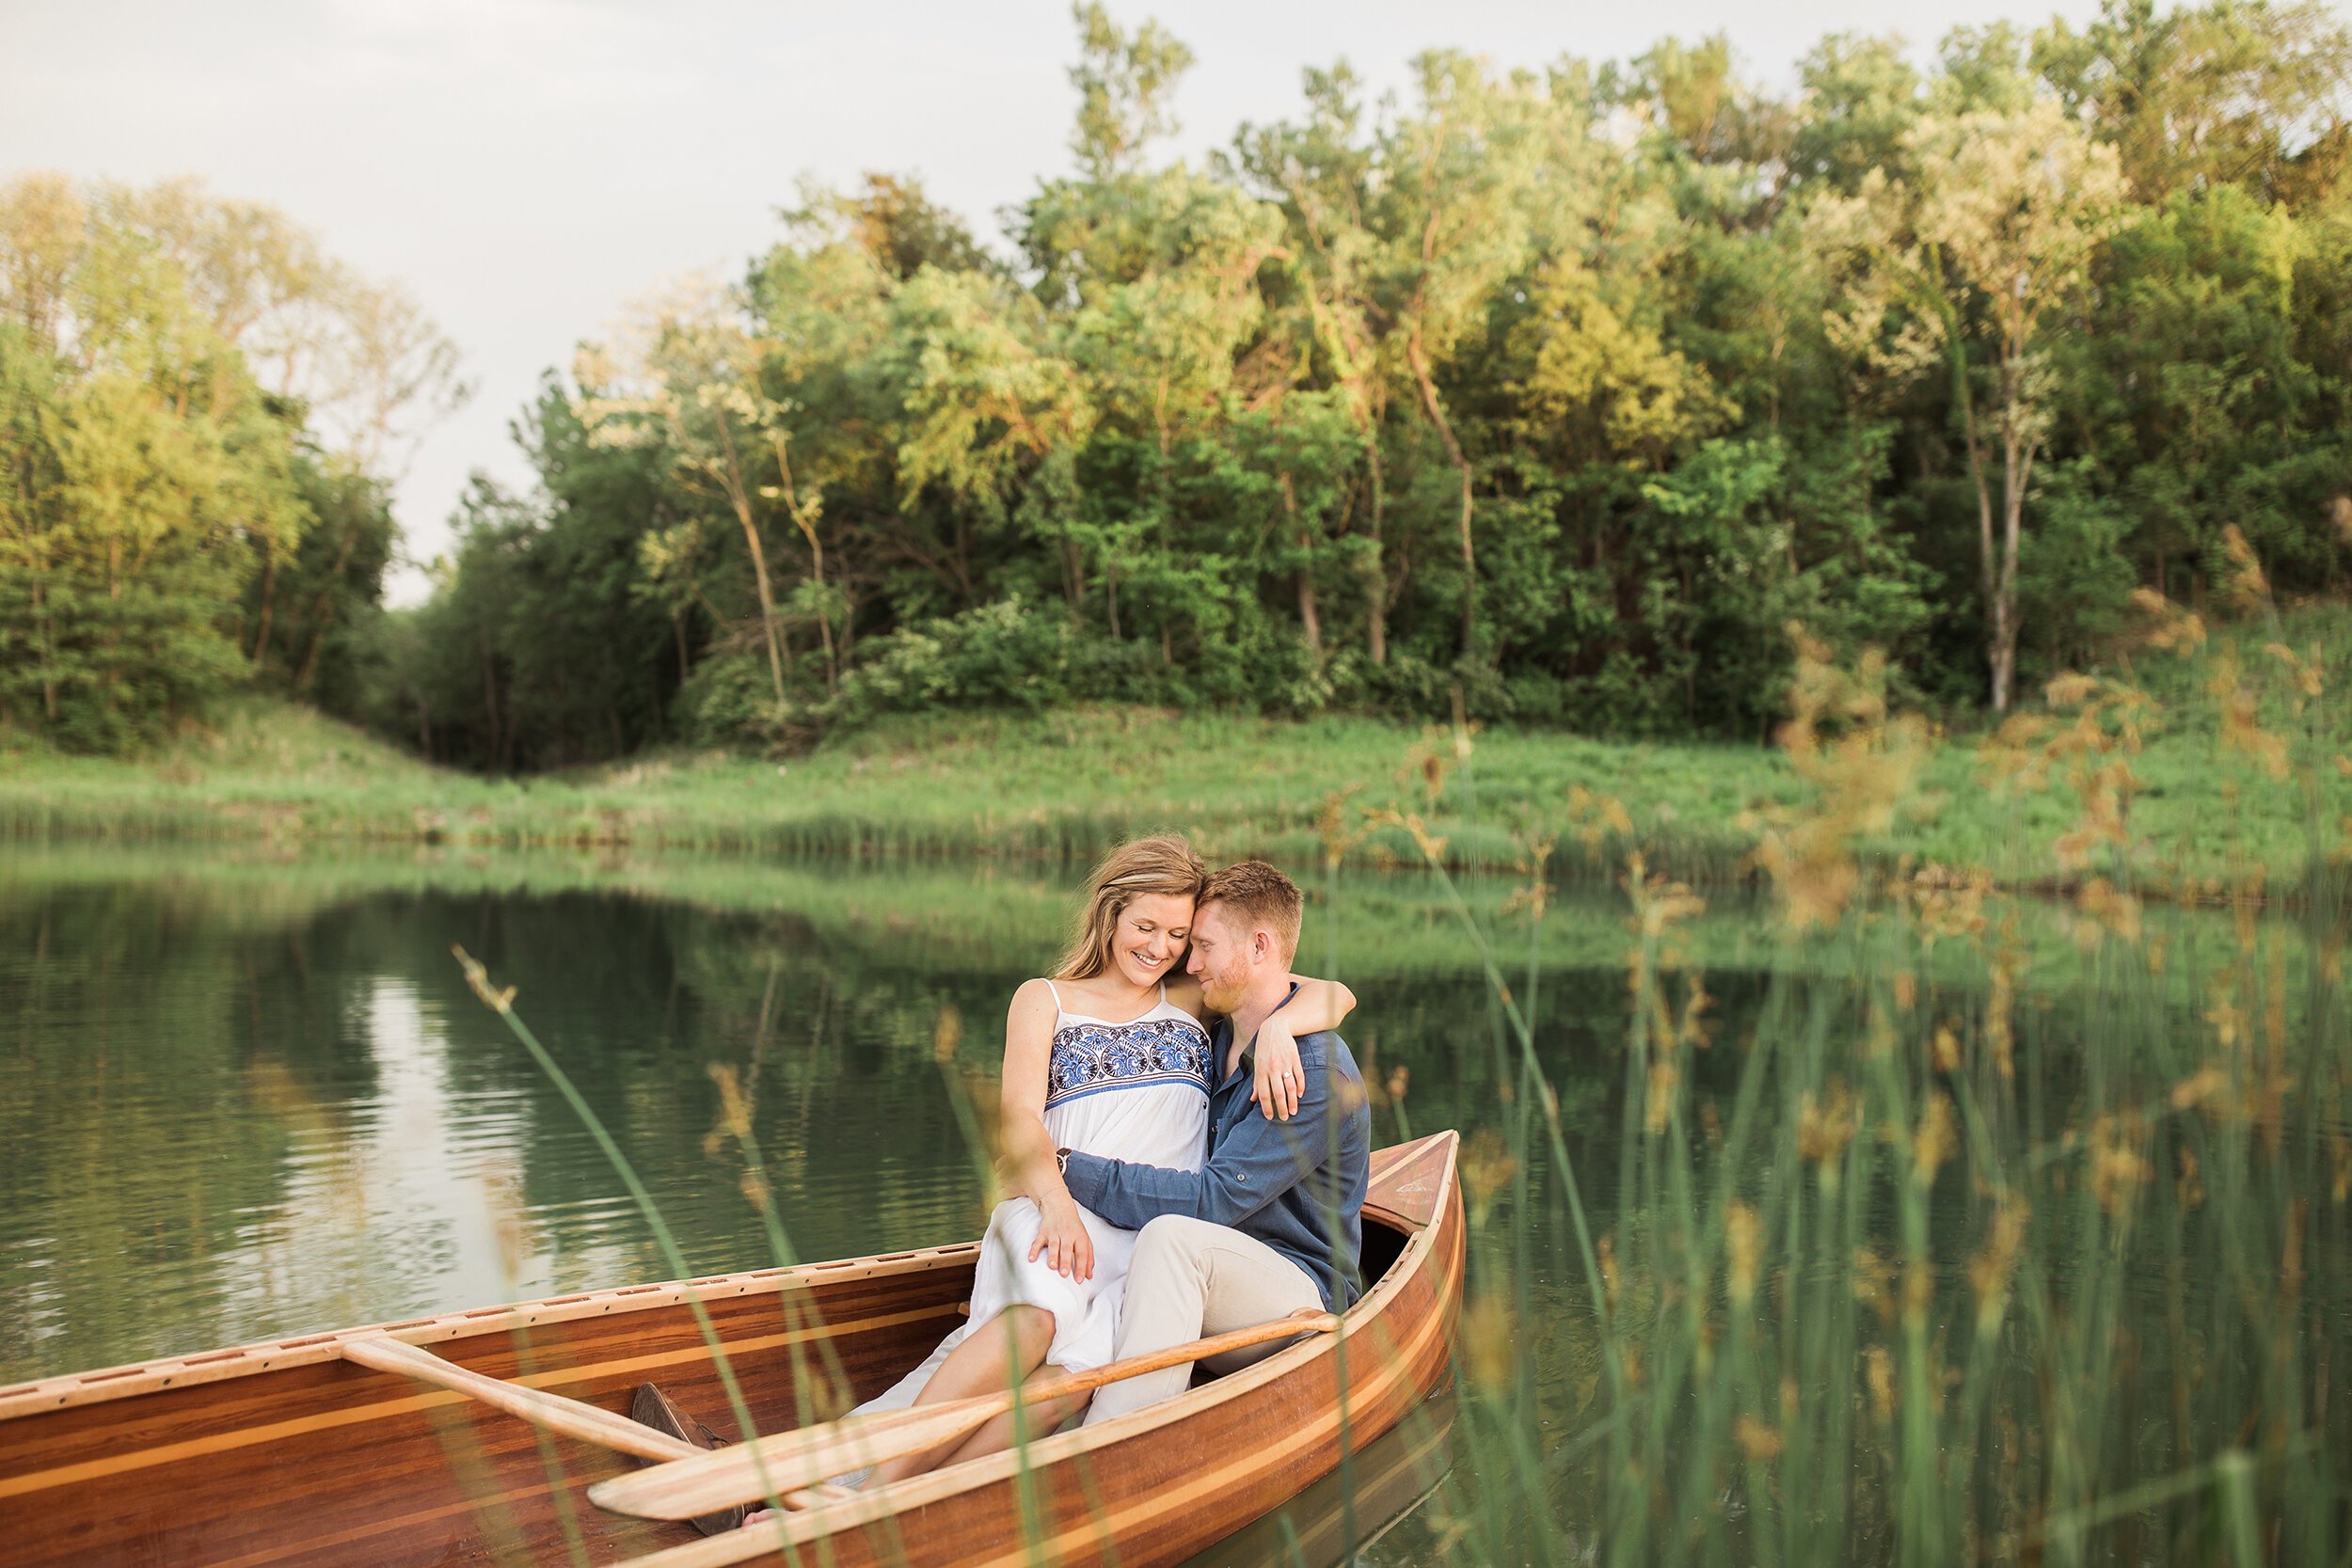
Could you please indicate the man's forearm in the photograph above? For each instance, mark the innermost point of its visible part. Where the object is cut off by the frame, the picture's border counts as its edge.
(1132, 1197)
(1258, 1164)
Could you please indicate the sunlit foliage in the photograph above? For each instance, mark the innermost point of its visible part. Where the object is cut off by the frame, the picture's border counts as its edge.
(1557, 393)
(198, 409)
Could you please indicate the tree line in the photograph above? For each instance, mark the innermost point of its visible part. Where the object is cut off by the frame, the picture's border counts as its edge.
(1556, 395)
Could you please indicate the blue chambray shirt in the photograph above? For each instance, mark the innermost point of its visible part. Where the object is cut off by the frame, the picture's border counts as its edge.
(1279, 1182)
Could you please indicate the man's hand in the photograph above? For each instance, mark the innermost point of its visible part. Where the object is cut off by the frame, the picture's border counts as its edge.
(1062, 1239)
(1279, 1079)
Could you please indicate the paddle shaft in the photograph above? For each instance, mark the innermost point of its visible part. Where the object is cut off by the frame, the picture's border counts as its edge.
(572, 1417)
(709, 1482)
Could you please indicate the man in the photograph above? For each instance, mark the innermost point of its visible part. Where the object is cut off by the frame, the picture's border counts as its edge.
(1273, 1223)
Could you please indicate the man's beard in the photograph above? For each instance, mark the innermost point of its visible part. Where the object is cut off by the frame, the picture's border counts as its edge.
(1221, 988)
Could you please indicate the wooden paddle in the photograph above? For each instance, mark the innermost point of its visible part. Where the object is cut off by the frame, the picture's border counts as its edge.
(709, 1482)
(572, 1417)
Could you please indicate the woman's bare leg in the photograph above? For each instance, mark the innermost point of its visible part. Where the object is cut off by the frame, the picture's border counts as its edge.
(1014, 1341)
(1039, 1418)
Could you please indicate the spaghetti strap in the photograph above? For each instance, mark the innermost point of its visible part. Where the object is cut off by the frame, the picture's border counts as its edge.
(1057, 1007)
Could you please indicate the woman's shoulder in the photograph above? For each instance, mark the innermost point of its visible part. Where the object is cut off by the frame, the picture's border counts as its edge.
(1034, 1002)
(1183, 993)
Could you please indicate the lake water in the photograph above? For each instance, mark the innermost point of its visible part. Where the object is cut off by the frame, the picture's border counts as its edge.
(242, 1098)
(245, 1097)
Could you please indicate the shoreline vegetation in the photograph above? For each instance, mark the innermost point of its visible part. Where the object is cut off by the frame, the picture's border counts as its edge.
(1542, 397)
(1062, 784)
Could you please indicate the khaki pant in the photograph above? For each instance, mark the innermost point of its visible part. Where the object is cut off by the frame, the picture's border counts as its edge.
(1189, 1279)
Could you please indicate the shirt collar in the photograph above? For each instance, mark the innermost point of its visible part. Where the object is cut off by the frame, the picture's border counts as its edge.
(1223, 1040)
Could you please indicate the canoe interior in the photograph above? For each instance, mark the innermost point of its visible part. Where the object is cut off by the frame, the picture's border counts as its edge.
(286, 1454)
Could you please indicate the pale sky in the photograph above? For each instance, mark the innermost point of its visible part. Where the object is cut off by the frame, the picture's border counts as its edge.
(526, 167)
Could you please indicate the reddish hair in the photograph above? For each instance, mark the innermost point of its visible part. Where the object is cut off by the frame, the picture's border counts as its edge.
(1263, 899)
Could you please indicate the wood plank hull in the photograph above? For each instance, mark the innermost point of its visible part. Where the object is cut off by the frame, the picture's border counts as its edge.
(286, 1454)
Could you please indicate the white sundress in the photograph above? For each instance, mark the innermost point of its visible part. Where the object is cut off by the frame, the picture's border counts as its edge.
(1136, 1091)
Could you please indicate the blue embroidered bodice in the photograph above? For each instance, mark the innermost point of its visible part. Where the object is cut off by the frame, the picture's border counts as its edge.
(1091, 1056)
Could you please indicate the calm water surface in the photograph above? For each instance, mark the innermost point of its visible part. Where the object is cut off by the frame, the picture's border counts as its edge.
(241, 1100)
(241, 1106)
(244, 1099)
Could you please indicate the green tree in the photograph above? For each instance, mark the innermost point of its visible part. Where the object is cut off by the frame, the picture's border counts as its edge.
(201, 411)
(1463, 193)
(2204, 96)
(1994, 241)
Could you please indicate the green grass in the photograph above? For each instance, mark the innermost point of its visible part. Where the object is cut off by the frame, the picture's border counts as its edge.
(1065, 784)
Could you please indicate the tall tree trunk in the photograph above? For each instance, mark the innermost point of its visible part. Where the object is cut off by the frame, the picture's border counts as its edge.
(737, 487)
(269, 603)
(824, 614)
(1998, 635)
(1989, 576)
(767, 597)
(1309, 617)
(1420, 362)
(1374, 570)
(2017, 456)
(816, 552)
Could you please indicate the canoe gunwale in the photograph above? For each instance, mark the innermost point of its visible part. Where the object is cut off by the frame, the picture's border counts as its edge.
(72, 1389)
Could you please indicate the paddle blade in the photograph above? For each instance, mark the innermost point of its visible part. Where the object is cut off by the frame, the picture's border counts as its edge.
(788, 1461)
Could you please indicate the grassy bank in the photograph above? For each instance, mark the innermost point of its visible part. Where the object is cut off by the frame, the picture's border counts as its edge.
(1062, 784)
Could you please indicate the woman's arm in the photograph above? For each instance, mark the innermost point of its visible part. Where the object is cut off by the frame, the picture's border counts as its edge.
(1316, 1005)
(1319, 1005)
(1028, 1147)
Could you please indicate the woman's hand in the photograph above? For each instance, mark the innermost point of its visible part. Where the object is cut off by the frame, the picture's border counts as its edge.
(1280, 1078)
(1062, 1239)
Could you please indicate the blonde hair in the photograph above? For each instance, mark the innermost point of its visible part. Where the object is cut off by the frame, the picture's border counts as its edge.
(1162, 864)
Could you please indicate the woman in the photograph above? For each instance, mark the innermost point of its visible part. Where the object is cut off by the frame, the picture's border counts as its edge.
(1110, 1055)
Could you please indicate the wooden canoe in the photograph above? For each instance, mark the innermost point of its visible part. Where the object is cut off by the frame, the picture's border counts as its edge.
(1342, 1517)
(289, 1453)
